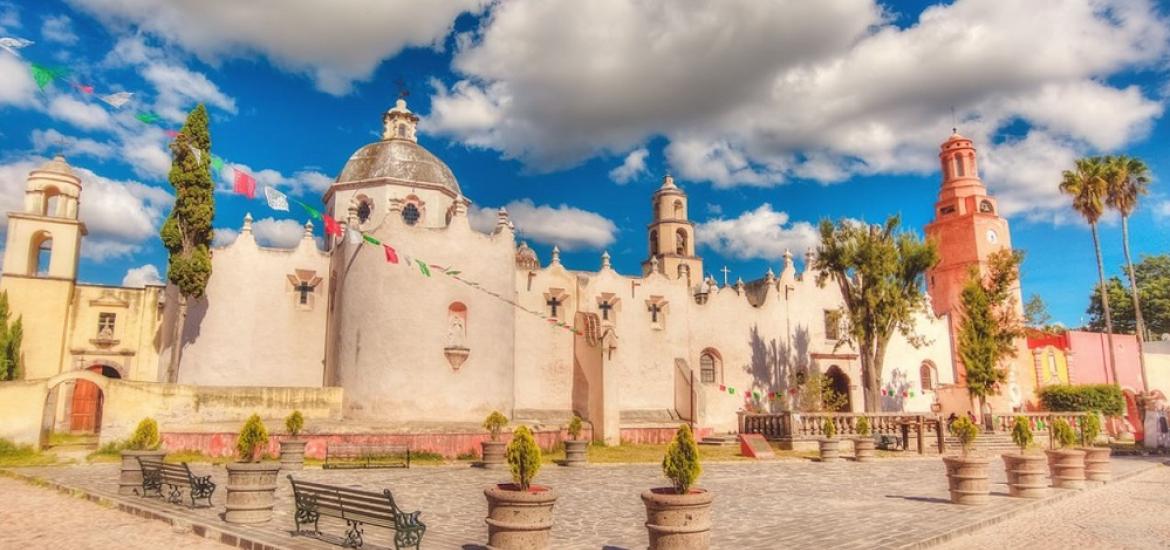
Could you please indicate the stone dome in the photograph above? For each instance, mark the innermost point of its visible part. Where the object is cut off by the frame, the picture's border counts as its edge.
(399, 156)
(58, 165)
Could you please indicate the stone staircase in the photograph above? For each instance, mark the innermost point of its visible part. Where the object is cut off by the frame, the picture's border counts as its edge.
(720, 440)
(991, 443)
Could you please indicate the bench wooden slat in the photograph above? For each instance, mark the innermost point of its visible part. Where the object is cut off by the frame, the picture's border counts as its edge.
(357, 507)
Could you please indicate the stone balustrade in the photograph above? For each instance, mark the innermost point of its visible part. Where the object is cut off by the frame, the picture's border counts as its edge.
(792, 427)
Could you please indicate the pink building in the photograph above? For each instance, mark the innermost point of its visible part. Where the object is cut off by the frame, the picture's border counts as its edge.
(1088, 361)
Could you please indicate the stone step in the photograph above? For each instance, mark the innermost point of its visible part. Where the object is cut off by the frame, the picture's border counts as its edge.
(721, 440)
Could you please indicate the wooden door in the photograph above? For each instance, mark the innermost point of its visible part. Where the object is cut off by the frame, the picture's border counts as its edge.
(85, 407)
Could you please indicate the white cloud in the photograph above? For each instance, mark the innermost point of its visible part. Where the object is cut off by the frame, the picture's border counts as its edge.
(299, 183)
(761, 233)
(85, 115)
(9, 18)
(179, 87)
(16, 84)
(58, 29)
(54, 142)
(564, 226)
(138, 277)
(278, 233)
(633, 167)
(224, 236)
(336, 45)
(761, 92)
(121, 215)
(1162, 211)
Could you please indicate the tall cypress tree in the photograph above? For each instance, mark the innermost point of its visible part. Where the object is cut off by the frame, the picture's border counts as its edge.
(990, 322)
(10, 339)
(187, 232)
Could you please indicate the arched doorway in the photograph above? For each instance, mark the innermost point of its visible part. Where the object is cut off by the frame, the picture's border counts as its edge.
(85, 407)
(839, 381)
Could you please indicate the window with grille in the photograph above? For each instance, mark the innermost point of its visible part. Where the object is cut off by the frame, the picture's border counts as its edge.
(926, 373)
(106, 324)
(410, 214)
(708, 367)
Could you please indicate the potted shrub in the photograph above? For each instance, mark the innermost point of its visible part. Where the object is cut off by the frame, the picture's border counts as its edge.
(251, 482)
(575, 447)
(863, 445)
(1025, 472)
(1066, 465)
(966, 474)
(520, 514)
(292, 450)
(1096, 458)
(679, 516)
(830, 448)
(493, 449)
(143, 443)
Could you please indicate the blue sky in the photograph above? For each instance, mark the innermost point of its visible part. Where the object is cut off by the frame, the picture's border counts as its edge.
(771, 115)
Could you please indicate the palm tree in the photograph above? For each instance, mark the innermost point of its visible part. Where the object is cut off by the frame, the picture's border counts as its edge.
(1128, 178)
(1087, 186)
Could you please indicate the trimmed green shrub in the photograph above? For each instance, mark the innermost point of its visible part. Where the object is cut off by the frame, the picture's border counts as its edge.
(1063, 433)
(966, 431)
(494, 423)
(681, 463)
(1091, 428)
(829, 428)
(294, 423)
(523, 455)
(863, 426)
(145, 437)
(575, 428)
(1103, 398)
(252, 440)
(1022, 433)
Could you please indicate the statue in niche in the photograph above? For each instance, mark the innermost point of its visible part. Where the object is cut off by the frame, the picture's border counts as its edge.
(456, 332)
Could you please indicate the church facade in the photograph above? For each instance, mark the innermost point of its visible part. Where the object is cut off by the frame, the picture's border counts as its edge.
(650, 349)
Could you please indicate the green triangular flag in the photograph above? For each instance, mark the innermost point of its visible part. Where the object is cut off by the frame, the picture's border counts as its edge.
(42, 75)
(216, 163)
(370, 239)
(312, 211)
(452, 272)
(147, 117)
(422, 266)
(731, 391)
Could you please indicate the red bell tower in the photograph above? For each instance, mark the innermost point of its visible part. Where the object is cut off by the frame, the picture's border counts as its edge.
(966, 228)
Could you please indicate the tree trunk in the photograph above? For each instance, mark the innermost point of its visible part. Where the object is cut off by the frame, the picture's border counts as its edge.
(871, 365)
(1140, 324)
(177, 342)
(1105, 303)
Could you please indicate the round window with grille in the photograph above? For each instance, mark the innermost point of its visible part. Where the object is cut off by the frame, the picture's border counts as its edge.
(410, 214)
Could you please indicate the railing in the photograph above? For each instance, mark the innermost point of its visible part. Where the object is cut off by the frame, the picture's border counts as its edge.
(1042, 422)
(808, 426)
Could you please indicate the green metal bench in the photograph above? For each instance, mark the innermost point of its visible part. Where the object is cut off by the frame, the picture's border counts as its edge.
(358, 509)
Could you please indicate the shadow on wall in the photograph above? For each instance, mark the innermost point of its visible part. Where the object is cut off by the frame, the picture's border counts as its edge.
(774, 366)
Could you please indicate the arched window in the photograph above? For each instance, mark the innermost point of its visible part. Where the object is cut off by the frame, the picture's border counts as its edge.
(926, 376)
(410, 214)
(401, 130)
(680, 242)
(51, 202)
(41, 252)
(960, 170)
(654, 243)
(710, 366)
(364, 209)
(678, 209)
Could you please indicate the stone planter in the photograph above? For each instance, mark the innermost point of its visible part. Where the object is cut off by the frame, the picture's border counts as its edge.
(863, 449)
(292, 455)
(519, 520)
(967, 478)
(493, 455)
(830, 450)
(250, 490)
(678, 522)
(575, 453)
(1026, 475)
(130, 478)
(1097, 463)
(1067, 467)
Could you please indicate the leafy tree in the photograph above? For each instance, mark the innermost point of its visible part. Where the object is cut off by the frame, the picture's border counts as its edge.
(523, 457)
(1036, 312)
(11, 336)
(681, 463)
(817, 395)
(1022, 434)
(989, 325)
(495, 423)
(879, 272)
(295, 423)
(1087, 186)
(145, 436)
(187, 232)
(966, 432)
(1128, 179)
(252, 440)
(1153, 272)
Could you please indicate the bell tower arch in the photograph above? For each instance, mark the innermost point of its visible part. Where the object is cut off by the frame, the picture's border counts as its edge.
(672, 235)
(44, 239)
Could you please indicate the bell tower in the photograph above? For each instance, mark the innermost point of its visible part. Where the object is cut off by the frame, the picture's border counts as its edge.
(966, 228)
(672, 236)
(44, 239)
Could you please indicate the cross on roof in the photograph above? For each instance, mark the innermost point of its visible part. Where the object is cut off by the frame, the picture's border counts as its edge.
(725, 272)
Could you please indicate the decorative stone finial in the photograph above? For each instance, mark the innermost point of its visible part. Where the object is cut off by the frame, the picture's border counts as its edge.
(809, 257)
(654, 264)
(605, 260)
(668, 182)
(739, 285)
(502, 219)
(771, 277)
(788, 274)
(556, 255)
(399, 122)
(309, 229)
(247, 223)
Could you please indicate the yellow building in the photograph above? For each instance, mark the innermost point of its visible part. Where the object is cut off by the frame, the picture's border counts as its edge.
(111, 331)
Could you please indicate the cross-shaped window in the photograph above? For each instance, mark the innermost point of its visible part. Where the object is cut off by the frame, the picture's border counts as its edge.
(305, 289)
(605, 307)
(654, 309)
(553, 304)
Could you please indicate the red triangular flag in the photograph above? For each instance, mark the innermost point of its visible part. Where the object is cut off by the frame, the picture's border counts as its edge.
(391, 255)
(245, 184)
(171, 133)
(84, 89)
(331, 226)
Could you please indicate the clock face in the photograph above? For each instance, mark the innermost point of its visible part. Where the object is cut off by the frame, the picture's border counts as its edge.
(992, 236)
